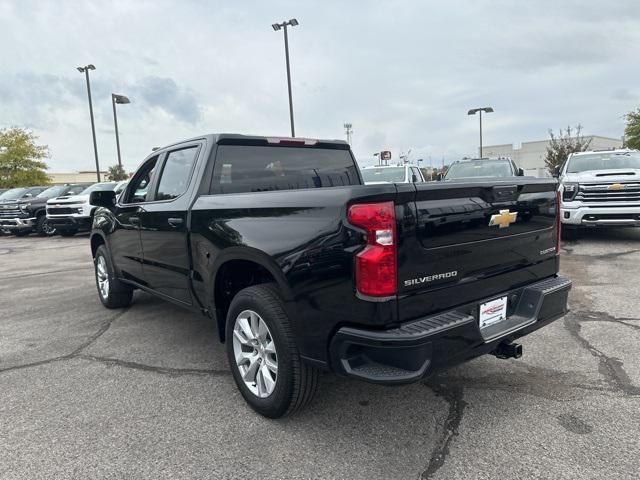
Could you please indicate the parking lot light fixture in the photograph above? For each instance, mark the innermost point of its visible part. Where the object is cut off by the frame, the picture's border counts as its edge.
(473, 111)
(85, 70)
(120, 99)
(277, 26)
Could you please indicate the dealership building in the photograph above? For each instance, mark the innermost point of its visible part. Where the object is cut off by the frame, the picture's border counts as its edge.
(530, 155)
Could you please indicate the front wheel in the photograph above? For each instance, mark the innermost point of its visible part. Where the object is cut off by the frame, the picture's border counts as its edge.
(43, 228)
(263, 355)
(112, 292)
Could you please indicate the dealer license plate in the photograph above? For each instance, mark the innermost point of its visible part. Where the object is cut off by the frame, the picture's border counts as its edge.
(493, 312)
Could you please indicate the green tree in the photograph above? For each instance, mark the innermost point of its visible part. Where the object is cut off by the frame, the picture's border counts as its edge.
(21, 159)
(561, 145)
(116, 173)
(632, 130)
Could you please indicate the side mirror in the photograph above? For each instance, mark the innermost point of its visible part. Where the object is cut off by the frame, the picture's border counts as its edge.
(103, 198)
(520, 172)
(439, 177)
(414, 178)
(556, 171)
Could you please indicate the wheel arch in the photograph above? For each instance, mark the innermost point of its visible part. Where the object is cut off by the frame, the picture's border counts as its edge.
(239, 268)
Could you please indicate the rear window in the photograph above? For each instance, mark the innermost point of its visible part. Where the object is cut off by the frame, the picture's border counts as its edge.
(261, 169)
(383, 174)
(479, 168)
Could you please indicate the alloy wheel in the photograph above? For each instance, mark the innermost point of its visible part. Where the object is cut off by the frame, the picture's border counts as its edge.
(255, 353)
(102, 275)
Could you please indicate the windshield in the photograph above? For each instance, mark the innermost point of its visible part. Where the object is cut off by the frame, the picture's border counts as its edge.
(383, 174)
(51, 192)
(13, 194)
(603, 161)
(479, 168)
(99, 186)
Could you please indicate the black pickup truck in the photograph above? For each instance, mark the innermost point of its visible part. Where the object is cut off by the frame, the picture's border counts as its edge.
(305, 269)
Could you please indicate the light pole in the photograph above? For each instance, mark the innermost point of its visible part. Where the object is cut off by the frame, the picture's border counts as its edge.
(277, 26)
(480, 110)
(121, 99)
(85, 70)
(348, 129)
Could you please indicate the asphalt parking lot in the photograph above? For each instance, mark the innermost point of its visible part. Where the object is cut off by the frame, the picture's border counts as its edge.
(146, 393)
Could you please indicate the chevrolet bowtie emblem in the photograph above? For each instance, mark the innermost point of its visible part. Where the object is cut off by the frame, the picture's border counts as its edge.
(616, 186)
(503, 219)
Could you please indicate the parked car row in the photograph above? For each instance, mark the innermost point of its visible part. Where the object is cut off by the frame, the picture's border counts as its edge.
(62, 209)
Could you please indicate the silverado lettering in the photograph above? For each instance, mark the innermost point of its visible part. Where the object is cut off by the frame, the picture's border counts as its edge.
(430, 278)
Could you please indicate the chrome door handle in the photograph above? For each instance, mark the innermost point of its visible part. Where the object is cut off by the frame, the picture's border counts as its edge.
(134, 220)
(175, 222)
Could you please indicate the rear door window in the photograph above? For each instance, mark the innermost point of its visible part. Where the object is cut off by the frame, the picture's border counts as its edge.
(241, 168)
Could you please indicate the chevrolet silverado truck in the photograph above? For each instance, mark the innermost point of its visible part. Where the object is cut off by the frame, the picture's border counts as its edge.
(72, 213)
(31, 213)
(9, 208)
(600, 189)
(305, 269)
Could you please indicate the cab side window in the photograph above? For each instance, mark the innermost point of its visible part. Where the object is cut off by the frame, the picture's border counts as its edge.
(176, 172)
(138, 190)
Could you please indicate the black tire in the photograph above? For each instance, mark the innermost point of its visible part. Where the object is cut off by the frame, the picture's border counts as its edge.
(67, 232)
(569, 232)
(42, 227)
(296, 381)
(118, 294)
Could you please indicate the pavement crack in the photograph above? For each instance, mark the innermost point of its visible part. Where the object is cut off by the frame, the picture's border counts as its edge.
(152, 368)
(453, 395)
(610, 367)
(50, 272)
(35, 364)
(101, 331)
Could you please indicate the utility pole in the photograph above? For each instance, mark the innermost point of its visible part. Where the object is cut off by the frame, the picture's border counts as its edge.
(473, 111)
(85, 70)
(348, 129)
(118, 99)
(277, 26)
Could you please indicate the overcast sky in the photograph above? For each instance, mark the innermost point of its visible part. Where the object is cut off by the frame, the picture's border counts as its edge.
(404, 73)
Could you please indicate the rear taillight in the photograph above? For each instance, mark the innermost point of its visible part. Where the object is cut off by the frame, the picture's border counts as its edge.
(558, 221)
(376, 265)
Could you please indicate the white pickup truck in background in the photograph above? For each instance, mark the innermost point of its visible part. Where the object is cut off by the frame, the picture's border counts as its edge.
(72, 214)
(600, 188)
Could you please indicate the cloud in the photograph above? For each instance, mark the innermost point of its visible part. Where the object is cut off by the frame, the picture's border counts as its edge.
(164, 94)
(404, 73)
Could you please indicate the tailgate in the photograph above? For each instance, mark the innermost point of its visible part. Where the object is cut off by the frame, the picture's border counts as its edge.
(461, 242)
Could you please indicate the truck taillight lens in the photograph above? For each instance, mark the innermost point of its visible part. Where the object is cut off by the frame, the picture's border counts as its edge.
(558, 221)
(376, 265)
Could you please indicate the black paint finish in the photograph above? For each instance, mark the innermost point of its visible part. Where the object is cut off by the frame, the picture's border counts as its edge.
(301, 240)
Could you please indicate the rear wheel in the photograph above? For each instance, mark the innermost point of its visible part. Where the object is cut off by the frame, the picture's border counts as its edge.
(263, 356)
(112, 292)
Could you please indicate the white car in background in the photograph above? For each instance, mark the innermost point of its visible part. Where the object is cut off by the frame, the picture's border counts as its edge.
(600, 188)
(391, 174)
(72, 214)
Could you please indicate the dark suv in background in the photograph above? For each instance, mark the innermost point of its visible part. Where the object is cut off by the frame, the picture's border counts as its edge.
(31, 214)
